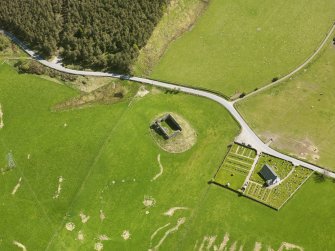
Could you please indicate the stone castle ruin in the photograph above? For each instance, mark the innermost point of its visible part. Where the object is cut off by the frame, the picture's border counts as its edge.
(166, 126)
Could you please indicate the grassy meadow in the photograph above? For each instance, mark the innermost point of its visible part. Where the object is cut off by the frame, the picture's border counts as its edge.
(237, 46)
(298, 114)
(107, 158)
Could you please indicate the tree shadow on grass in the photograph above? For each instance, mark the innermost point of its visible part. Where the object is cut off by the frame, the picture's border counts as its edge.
(319, 178)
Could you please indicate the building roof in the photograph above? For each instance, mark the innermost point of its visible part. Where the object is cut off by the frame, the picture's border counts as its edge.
(267, 173)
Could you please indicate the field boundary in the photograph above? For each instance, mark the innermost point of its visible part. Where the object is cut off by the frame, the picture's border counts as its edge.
(166, 32)
(284, 203)
(295, 70)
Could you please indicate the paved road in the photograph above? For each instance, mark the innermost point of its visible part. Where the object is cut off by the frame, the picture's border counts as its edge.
(247, 136)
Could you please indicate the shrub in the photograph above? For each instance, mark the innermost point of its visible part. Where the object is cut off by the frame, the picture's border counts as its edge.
(34, 67)
(4, 43)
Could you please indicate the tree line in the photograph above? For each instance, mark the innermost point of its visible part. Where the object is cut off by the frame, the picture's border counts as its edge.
(96, 34)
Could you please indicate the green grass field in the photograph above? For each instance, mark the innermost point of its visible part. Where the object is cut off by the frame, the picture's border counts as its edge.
(107, 159)
(299, 114)
(237, 46)
(99, 145)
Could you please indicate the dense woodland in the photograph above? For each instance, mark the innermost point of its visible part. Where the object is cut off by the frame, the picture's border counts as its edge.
(98, 34)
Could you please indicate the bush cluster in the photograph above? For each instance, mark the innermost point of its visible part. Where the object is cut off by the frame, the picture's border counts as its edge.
(33, 67)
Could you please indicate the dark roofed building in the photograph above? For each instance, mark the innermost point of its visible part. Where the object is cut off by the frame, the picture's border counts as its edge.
(269, 175)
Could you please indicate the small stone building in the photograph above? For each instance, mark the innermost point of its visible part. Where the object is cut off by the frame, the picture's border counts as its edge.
(167, 126)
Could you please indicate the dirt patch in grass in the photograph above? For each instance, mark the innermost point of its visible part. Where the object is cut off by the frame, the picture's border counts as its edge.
(258, 246)
(126, 235)
(289, 246)
(70, 226)
(161, 168)
(80, 236)
(159, 229)
(149, 201)
(108, 94)
(142, 92)
(182, 142)
(303, 149)
(1, 118)
(233, 246)
(102, 215)
(84, 218)
(59, 188)
(20, 245)
(98, 246)
(170, 231)
(103, 237)
(179, 18)
(172, 210)
(17, 186)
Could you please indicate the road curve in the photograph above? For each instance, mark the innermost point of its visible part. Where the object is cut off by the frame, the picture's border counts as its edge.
(247, 136)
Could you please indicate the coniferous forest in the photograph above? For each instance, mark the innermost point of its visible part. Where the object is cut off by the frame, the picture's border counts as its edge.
(97, 34)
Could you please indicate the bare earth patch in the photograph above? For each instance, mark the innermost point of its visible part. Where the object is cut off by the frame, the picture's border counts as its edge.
(180, 222)
(258, 246)
(233, 246)
(80, 236)
(224, 242)
(184, 141)
(17, 186)
(59, 188)
(161, 169)
(159, 229)
(149, 201)
(172, 210)
(84, 218)
(103, 237)
(98, 246)
(303, 149)
(142, 92)
(289, 246)
(209, 240)
(126, 235)
(208, 243)
(1, 118)
(70, 226)
(20, 245)
(102, 215)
